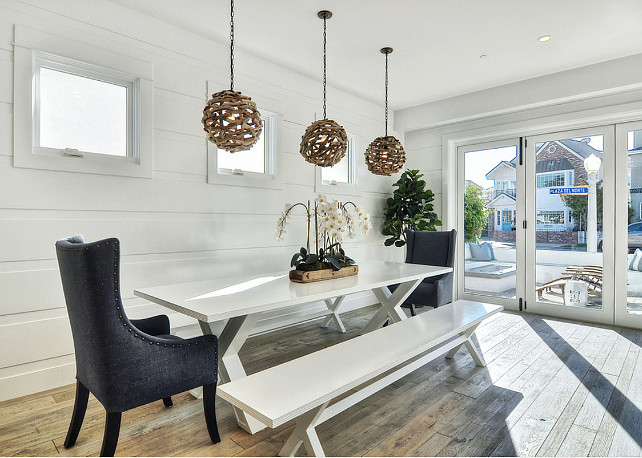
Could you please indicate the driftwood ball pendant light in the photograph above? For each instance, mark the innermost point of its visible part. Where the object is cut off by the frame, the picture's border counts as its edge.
(385, 155)
(231, 120)
(324, 142)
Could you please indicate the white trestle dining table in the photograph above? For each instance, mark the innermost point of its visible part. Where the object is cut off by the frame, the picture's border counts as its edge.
(242, 300)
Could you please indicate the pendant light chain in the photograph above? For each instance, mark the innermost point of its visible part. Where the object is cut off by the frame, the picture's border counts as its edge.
(324, 142)
(231, 45)
(232, 120)
(386, 95)
(325, 67)
(385, 155)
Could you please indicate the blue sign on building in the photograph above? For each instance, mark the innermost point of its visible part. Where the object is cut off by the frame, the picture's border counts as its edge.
(570, 190)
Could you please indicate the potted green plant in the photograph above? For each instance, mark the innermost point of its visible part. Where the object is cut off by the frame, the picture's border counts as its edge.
(409, 207)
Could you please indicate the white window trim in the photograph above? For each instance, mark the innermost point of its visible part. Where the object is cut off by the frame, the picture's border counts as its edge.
(272, 178)
(33, 47)
(324, 186)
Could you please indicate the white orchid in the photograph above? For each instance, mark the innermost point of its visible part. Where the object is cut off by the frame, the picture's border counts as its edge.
(335, 221)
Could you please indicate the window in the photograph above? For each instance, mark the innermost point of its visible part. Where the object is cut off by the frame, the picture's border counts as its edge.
(72, 113)
(550, 217)
(499, 218)
(339, 173)
(341, 178)
(547, 180)
(258, 159)
(79, 111)
(256, 167)
(508, 216)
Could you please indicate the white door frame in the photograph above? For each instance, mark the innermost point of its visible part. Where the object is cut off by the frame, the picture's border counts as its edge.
(508, 303)
(622, 318)
(606, 313)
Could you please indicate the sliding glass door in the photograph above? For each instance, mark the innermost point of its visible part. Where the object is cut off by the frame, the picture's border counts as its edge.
(569, 233)
(489, 243)
(552, 224)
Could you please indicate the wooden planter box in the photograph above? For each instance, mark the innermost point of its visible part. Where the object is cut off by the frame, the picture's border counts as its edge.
(302, 276)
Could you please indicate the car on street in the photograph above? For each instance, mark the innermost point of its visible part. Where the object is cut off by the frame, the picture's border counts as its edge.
(635, 237)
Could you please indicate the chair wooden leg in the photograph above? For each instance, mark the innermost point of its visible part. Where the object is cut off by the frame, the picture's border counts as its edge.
(168, 401)
(209, 407)
(80, 407)
(112, 429)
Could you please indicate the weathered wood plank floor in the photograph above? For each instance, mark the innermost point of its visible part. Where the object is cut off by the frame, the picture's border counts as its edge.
(551, 388)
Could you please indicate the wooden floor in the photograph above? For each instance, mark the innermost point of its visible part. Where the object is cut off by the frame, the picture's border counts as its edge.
(551, 388)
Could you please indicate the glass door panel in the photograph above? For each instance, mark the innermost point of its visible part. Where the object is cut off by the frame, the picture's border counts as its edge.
(569, 188)
(487, 235)
(629, 225)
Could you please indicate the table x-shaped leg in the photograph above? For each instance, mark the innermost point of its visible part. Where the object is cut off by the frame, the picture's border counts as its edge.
(333, 306)
(390, 304)
(472, 349)
(304, 433)
(234, 335)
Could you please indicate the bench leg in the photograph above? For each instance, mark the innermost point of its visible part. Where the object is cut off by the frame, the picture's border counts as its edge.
(477, 357)
(333, 307)
(305, 434)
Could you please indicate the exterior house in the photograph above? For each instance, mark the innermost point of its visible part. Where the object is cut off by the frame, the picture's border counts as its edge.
(502, 198)
(559, 164)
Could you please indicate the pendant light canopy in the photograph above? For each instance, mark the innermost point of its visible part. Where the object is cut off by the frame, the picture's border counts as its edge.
(385, 155)
(231, 120)
(324, 142)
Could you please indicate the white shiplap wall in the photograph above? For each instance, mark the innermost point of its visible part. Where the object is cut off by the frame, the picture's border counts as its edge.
(174, 227)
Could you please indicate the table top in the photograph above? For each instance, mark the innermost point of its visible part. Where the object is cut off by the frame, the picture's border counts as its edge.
(220, 299)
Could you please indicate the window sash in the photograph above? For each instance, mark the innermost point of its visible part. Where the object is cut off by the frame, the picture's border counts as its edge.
(90, 71)
(350, 158)
(269, 149)
(550, 179)
(550, 217)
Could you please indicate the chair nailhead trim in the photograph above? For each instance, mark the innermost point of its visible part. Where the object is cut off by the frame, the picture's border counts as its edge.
(122, 319)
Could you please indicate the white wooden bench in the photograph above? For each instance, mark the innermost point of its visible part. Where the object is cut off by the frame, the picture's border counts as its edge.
(302, 389)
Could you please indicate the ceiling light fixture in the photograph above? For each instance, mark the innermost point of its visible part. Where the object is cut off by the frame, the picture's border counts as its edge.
(544, 38)
(385, 155)
(324, 142)
(231, 120)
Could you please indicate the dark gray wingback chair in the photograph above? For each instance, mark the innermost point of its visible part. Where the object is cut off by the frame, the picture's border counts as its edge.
(125, 363)
(435, 249)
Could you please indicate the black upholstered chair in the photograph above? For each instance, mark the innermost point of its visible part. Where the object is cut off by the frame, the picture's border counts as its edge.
(435, 249)
(125, 363)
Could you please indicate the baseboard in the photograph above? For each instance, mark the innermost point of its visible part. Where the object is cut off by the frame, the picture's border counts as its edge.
(35, 381)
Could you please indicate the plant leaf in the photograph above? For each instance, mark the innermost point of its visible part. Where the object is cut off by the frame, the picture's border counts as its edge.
(336, 264)
(311, 259)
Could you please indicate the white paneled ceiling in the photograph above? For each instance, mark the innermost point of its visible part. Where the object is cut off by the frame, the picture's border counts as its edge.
(437, 43)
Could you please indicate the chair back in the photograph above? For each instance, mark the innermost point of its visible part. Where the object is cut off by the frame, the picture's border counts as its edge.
(431, 248)
(90, 276)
